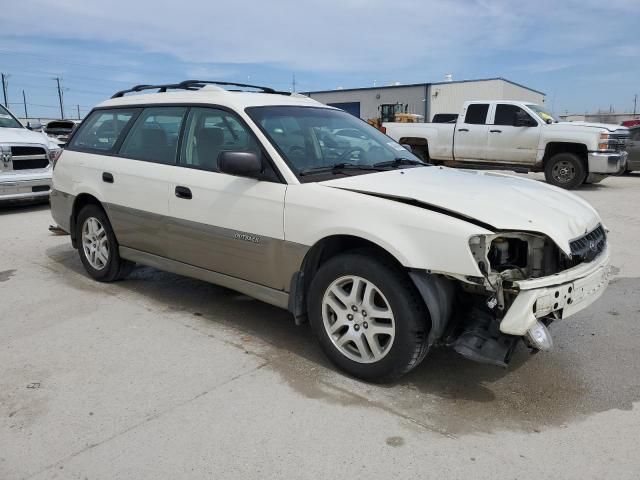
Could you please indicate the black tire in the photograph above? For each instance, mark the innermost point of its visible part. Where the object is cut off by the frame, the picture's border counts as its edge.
(565, 170)
(412, 322)
(115, 267)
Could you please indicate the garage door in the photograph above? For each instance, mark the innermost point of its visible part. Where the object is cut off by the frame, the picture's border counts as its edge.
(350, 107)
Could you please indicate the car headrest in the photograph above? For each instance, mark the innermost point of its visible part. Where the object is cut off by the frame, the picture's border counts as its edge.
(153, 136)
(210, 137)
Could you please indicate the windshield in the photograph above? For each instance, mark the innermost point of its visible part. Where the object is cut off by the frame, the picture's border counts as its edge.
(7, 120)
(544, 115)
(311, 139)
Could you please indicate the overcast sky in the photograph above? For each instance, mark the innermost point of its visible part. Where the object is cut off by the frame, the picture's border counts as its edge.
(584, 54)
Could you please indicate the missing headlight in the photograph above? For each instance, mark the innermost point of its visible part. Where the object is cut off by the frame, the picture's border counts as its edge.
(508, 253)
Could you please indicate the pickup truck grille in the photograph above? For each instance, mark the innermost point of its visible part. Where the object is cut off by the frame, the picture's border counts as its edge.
(589, 246)
(29, 158)
(618, 141)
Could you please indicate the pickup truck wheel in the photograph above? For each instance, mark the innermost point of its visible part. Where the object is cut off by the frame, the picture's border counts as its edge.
(368, 316)
(565, 170)
(98, 246)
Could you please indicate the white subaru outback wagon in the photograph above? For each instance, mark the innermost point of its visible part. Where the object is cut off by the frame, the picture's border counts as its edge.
(308, 208)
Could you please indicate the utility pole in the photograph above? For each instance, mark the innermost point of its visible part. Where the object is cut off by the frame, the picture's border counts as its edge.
(635, 104)
(57, 79)
(78, 106)
(5, 83)
(293, 83)
(24, 101)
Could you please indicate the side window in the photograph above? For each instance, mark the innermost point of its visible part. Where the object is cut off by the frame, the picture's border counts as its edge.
(154, 136)
(506, 114)
(209, 132)
(477, 113)
(101, 130)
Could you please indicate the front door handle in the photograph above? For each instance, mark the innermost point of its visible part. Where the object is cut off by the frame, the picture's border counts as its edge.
(107, 177)
(183, 192)
(463, 129)
(495, 131)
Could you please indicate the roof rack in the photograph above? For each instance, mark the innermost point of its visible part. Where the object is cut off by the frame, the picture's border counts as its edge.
(193, 85)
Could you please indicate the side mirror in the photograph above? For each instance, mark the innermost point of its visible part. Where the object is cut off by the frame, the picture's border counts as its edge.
(242, 164)
(35, 126)
(408, 147)
(523, 120)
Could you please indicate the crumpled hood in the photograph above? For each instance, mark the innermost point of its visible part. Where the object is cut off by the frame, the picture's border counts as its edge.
(23, 135)
(504, 202)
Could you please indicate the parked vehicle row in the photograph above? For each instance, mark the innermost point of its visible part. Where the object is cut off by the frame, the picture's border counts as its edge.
(519, 136)
(308, 208)
(25, 160)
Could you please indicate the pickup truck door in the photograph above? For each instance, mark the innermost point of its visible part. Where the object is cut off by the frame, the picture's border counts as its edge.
(224, 223)
(470, 136)
(509, 143)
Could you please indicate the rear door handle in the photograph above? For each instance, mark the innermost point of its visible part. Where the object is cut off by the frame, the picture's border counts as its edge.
(183, 192)
(107, 177)
(463, 129)
(495, 131)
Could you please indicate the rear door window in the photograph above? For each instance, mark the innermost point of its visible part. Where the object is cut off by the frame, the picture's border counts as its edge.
(154, 136)
(477, 114)
(101, 131)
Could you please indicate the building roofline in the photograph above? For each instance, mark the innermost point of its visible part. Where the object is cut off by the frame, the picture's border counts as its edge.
(425, 85)
(367, 88)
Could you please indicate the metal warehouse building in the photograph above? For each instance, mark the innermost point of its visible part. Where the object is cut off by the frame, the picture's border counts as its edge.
(427, 99)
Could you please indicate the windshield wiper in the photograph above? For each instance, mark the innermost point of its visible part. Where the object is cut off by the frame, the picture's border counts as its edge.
(398, 162)
(339, 167)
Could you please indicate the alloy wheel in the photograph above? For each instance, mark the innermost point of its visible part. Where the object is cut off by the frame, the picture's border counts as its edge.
(358, 319)
(95, 243)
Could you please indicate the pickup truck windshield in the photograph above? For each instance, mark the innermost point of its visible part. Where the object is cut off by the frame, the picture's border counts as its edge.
(313, 139)
(7, 120)
(544, 115)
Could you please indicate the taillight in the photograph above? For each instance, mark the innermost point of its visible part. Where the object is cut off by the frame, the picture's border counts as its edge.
(383, 129)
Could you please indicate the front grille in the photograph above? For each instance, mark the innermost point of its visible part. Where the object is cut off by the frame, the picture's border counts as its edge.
(29, 158)
(589, 246)
(27, 151)
(30, 164)
(618, 141)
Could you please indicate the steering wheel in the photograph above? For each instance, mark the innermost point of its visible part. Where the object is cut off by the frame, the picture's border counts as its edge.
(347, 153)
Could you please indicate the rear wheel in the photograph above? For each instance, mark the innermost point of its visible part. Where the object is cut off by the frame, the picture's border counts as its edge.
(98, 247)
(565, 170)
(368, 317)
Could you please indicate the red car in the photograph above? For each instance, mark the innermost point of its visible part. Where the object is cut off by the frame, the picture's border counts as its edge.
(631, 123)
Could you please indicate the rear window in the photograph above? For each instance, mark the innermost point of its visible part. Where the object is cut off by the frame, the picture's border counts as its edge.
(102, 130)
(477, 113)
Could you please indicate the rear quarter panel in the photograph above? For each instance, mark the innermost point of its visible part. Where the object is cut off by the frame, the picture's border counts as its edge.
(439, 136)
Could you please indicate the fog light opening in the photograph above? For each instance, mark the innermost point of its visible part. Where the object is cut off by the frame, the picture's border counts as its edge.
(539, 337)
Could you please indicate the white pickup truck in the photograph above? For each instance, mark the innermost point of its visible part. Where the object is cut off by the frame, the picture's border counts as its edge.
(519, 136)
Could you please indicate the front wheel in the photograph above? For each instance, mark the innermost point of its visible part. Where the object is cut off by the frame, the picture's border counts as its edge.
(565, 170)
(368, 317)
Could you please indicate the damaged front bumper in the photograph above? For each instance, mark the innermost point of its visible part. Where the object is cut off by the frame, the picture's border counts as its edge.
(557, 297)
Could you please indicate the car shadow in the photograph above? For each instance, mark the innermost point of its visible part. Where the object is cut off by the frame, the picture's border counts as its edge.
(447, 392)
(16, 208)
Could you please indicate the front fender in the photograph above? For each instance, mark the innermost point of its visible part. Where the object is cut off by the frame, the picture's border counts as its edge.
(416, 237)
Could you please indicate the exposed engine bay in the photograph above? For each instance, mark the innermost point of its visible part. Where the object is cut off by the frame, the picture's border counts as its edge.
(479, 304)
